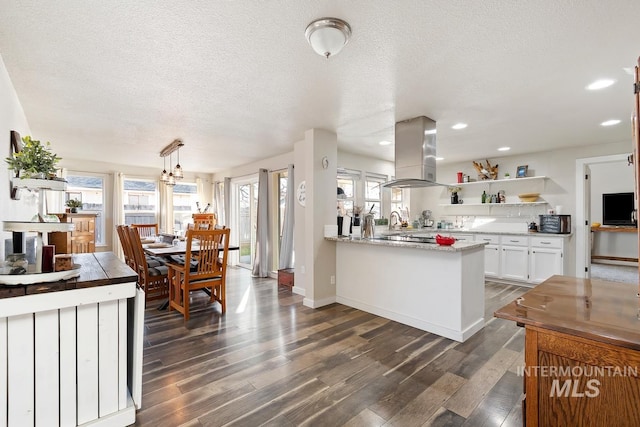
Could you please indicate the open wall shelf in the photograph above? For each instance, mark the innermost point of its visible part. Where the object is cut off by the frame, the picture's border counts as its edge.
(498, 181)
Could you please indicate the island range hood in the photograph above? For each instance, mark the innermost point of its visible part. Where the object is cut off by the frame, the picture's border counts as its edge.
(415, 154)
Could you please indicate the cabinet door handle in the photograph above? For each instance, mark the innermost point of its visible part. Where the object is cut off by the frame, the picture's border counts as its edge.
(487, 240)
(545, 243)
(514, 241)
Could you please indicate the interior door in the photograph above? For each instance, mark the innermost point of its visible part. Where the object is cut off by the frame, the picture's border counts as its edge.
(247, 214)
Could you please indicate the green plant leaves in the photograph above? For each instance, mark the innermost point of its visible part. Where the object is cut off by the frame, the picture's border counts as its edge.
(34, 158)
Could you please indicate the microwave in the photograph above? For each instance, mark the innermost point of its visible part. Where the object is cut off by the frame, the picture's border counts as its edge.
(556, 224)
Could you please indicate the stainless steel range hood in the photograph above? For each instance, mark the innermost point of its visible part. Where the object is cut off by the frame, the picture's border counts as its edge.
(415, 152)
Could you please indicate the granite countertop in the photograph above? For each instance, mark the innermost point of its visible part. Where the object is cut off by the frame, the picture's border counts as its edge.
(456, 247)
(471, 231)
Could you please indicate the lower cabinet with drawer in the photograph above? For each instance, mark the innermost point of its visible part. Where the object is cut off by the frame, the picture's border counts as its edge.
(546, 258)
(491, 254)
(514, 258)
(527, 259)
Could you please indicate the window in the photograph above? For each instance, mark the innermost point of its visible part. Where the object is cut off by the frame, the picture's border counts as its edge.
(347, 187)
(89, 189)
(140, 201)
(396, 199)
(372, 194)
(185, 202)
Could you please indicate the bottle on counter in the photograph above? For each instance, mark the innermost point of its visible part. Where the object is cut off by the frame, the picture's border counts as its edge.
(484, 197)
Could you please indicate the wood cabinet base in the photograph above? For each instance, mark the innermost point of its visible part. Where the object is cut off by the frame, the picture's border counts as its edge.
(81, 240)
(573, 381)
(285, 277)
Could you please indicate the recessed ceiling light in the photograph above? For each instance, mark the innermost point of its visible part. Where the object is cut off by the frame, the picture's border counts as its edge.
(600, 84)
(439, 158)
(459, 126)
(612, 122)
(504, 148)
(384, 142)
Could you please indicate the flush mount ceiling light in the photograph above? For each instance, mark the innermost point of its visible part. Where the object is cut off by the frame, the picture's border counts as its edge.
(504, 148)
(459, 126)
(384, 142)
(612, 122)
(327, 36)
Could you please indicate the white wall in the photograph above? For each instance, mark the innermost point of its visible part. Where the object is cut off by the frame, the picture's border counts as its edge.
(12, 117)
(608, 178)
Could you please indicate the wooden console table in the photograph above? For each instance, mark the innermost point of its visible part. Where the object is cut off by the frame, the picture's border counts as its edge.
(582, 352)
(614, 229)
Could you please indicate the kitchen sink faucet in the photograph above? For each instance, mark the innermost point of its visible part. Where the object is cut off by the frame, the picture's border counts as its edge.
(398, 220)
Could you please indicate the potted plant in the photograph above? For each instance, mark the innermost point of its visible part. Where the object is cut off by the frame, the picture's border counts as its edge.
(34, 160)
(454, 194)
(74, 204)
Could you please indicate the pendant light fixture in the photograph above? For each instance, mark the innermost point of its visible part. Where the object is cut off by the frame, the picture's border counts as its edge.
(173, 174)
(177, 171)
(172, 179)
(164, 176)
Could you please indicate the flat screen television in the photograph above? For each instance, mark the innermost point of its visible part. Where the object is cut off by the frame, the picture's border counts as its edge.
(617, 209)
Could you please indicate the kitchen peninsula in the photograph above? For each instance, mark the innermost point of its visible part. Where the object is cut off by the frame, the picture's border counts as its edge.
(438, 289)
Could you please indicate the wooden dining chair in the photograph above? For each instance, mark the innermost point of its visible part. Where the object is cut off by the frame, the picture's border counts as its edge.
(205, 267)
(123, 235)
(152, 275)
(146, 230)
(203, 221)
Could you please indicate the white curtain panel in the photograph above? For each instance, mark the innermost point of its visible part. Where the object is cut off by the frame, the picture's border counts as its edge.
(218, 203)
(226, 207)
(200, 192)
(261, 260)
(166, 208)
(286, 247)
(118, 211)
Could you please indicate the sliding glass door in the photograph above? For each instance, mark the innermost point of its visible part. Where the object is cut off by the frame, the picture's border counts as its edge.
(246, 210)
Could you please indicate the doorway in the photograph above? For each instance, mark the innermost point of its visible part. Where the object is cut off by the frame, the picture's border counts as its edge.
(583, 208)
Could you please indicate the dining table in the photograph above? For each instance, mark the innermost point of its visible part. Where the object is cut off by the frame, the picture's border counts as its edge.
(167, 250)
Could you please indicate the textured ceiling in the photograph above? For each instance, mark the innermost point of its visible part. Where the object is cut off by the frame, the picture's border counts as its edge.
(236, 80)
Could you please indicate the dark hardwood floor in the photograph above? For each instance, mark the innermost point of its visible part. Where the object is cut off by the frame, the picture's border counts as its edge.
(271, 361)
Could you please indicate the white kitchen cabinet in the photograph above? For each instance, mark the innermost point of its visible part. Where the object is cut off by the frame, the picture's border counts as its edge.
(492, 260)
(491, 254)
(547, 258)
(514, 258)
